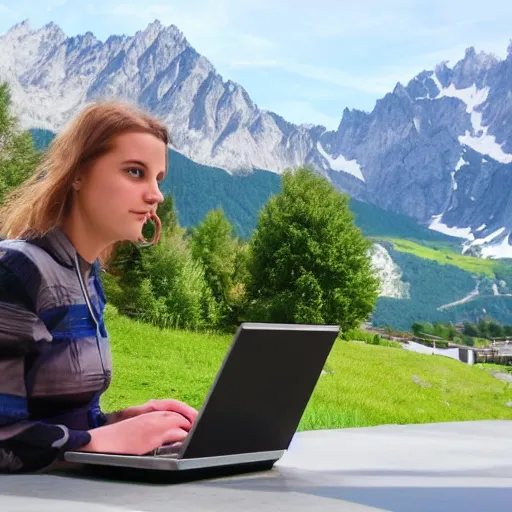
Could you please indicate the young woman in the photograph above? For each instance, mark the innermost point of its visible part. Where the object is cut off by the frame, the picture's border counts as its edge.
(96, 186)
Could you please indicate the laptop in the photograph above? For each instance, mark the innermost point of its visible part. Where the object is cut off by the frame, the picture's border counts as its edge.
(253, 407)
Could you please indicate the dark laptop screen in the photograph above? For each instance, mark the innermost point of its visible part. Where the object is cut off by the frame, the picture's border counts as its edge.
(260, 394)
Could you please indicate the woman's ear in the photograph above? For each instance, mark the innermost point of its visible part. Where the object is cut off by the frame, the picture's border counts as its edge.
(77, 184)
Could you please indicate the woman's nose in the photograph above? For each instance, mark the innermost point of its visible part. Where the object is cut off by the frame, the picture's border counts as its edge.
(154, 194)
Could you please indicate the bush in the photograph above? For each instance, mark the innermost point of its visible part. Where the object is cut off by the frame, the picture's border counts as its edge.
(162, 285)
(368, 338)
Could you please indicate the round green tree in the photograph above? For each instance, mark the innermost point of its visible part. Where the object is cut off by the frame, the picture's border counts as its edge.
(307, 261)
(18, 158)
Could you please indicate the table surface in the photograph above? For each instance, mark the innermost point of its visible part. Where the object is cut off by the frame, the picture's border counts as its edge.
(464, 466)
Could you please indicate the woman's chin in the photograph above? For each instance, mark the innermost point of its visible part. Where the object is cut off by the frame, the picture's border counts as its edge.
(132, 236)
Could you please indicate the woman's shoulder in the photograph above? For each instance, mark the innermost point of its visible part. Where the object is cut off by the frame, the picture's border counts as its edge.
(20, 252)
(12, 288)
(22, 264)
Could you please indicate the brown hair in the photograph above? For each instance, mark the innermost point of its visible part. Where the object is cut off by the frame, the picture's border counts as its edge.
(43, 201)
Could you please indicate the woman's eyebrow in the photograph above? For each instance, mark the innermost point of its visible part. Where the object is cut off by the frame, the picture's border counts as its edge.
(137, 162)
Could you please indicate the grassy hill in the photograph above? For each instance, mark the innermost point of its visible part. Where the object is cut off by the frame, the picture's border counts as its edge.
(365, 385)
(444, 254)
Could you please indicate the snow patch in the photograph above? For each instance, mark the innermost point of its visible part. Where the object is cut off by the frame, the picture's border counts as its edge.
(460, 163)
(437, 82)
(341, 163)
(471, 96)
(480, 140)
(454, 183)
(417, 124)
(437, 225)
(501, 250)
(489, 238)
(486, 145)
(481, 228)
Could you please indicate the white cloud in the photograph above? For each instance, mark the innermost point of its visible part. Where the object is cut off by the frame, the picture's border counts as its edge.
(4, 8)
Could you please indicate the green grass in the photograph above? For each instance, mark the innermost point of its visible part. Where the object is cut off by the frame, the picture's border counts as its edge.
(365, 385)
(443, 254)
(493, 368)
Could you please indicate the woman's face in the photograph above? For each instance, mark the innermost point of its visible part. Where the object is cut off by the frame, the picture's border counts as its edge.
(120, 185)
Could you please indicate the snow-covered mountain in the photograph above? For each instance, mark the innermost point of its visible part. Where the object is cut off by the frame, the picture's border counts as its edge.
(438, 149)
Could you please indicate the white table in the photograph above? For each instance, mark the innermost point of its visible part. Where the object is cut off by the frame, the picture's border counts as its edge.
(414, 468)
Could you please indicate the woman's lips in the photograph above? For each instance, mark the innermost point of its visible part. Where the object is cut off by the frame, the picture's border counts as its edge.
(142, 216)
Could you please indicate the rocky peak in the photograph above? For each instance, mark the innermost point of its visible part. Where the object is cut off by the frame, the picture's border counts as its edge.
(444, 73)
(20, 29)
(52, 35)
(472, 69)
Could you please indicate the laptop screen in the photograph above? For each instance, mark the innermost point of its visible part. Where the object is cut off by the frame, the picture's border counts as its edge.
(261, 390)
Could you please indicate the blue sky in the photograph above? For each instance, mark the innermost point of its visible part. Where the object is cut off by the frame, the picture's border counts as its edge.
(305, 60)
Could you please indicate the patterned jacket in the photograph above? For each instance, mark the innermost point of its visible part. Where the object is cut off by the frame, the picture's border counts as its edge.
(55, 359)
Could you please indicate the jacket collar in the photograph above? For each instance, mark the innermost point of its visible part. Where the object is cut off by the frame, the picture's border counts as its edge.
(60, 247)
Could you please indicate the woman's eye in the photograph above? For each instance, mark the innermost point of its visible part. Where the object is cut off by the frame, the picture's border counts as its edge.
(135, 170)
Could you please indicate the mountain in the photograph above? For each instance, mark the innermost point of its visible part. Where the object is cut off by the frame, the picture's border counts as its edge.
(422, 276)
(197, 189)
(438, 149)
(211, 121)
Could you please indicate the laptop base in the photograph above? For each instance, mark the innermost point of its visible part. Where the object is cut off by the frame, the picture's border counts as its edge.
(103, 471)
(151, 476)
(169, 463)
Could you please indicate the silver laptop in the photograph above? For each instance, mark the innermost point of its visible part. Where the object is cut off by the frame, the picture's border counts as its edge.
(253, 407)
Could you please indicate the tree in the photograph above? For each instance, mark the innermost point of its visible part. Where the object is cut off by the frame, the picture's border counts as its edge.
(214, 246)
(168, 214)
(483, 328)
(307, 261)
(18, 158)
(417, 328)
(470, 329)
(495, 329)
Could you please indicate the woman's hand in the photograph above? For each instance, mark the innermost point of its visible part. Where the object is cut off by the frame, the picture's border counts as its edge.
(153, 406)
(140, 434)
